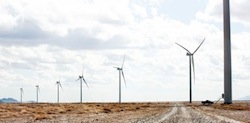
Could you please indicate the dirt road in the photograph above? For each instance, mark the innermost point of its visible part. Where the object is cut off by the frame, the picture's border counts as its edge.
(175, 113)
(121, 113)
(179, 113)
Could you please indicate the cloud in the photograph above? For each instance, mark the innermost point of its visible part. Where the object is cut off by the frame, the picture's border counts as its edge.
(214, 12)
(23, 30)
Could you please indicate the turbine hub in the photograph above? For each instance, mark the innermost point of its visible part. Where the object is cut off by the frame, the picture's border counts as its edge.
(188, 54)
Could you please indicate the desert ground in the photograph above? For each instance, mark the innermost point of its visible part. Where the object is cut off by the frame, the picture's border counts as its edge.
(160, 112)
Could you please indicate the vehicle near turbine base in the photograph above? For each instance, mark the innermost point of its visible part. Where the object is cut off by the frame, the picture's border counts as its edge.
(207, 102)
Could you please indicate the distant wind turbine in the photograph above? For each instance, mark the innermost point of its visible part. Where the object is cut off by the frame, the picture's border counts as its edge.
(58, 83)
(37, 91)
(191, 63)
(21, 94)
(81, 78)
(120, 69)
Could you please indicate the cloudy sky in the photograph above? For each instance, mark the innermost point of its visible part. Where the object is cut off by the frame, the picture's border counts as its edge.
(42, 40)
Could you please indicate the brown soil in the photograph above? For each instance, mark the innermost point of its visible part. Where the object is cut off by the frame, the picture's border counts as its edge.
(177, 112)
(33, 112)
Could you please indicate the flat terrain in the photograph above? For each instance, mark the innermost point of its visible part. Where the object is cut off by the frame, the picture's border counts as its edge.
(177, 112)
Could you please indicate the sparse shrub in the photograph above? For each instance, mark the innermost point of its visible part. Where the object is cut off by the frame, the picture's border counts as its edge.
(105, 110)
(61, 111)
(41, 116)
(23, 111)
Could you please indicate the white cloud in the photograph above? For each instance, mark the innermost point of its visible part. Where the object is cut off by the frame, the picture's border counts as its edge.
(214, 11)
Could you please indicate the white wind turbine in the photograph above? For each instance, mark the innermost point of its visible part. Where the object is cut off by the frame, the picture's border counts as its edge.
(58, 83)
(37, 92)
(120, 69)
(191, 64)
(81, 78)
(21, 94)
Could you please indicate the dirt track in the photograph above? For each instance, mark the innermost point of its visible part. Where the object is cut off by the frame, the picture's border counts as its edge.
(143, 113)
(179, 113)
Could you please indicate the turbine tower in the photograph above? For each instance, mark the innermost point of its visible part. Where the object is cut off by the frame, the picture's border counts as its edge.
(191, 65)
(120, 69)
(21, 94)
(37, 91)
(227, 54)
(81, 78)
(58, 83)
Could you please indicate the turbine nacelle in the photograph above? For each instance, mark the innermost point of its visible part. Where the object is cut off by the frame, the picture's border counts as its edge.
(189, 54)
(118, 68)
(21, 89)
(37, 86)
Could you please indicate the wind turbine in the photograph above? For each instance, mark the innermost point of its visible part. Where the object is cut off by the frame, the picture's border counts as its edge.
(58, 83)
(37, 91)
(191, 64)
(81, 78)
(227, 53)
(120, 69)
(21, 94)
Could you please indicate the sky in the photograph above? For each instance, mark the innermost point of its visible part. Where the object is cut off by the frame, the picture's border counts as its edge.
(41, 41)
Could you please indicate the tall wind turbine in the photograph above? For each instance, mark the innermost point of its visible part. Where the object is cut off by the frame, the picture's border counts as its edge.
(21, 94)
(58, 83)
(227, 53)
(81, 78)
(191, 64)
(120, 69)
(37, 91)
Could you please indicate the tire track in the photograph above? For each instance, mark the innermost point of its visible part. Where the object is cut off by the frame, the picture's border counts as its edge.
(220, 118)
(179, 113)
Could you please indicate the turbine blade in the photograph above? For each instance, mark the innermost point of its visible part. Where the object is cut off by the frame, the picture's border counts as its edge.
(123, 61)
(82, 69)
(199, 45)
(61, 86)
(183, 48)
(78, 79)
(192, 58)
(85, 82)
(124, 78)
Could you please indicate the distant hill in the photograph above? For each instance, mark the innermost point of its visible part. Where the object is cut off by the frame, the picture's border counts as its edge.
(8, 100)
(245, 98)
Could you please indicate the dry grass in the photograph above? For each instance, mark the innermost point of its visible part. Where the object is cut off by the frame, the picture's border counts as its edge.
(238, 110)
(42, 111)
(235, 106)
(242, 106)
